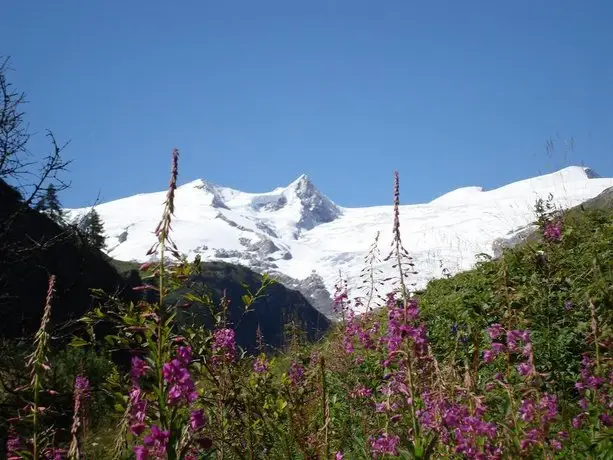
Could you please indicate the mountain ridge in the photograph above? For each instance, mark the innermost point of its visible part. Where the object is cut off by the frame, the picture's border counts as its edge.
(296, 230)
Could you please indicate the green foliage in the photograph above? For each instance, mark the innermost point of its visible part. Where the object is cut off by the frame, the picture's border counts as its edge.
(49, 203)
(92, 229)
(544, 287)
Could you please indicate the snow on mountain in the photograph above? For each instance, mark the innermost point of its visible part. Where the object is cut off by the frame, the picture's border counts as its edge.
(301, 234)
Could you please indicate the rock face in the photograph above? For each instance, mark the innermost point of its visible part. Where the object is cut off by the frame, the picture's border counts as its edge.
(271, 314)
(512, 240)
(313, 288)
(316, 208)
(602, 201)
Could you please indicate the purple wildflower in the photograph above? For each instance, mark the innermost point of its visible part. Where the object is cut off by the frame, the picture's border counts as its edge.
(138, 410)
(495, 330)
(196, 419)
(606, 419)
(141, 453)
(260, 365)
(139, 369)
(384, 444)
(54, 454)
(184, 354)
(360, 391)
(224, 346)
(156, 441)
(296, 373)
(553, 231)
(13, 445)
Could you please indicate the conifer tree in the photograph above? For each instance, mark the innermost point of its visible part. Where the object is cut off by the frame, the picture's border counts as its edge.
(93, 229)
(50, 204)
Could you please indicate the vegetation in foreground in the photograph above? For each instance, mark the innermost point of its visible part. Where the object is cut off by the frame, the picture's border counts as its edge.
(509, 360)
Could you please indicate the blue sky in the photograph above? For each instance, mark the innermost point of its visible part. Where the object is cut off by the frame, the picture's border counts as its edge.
(254, 93)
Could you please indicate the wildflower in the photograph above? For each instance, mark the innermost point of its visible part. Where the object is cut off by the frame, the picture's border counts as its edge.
(553, 231)
(338, 456)
(360, 391)
(494, 331)
(568, 305)
(81, 393)
(527, 410)
(296, 373)
(577, 421)
(606, 419)
(514, 337)
(156, 441)
(531, 439)
(13, 445)
(525, 369)
(54, 454)
(260, 365)
(180, 381)
(488, 356)
(82, 386)
(144, 267)
(224, 346)
(549, 405)
(141, 452)
(139, 369)
(384, 444)
(196, 419)
(138, 408)
(555, 444)
(184, 354)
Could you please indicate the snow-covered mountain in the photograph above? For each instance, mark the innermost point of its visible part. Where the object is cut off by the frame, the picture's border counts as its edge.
(300, 234)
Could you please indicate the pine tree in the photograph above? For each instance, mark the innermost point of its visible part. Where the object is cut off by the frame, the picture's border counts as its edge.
(50, 204)
(92, 228)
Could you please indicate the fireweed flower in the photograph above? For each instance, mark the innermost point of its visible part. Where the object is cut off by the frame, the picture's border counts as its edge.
(296, 373)
(495, 331)
(141, 453)
(139, 369)
(184, 355)
(384, 444)
(260, 365)
(515, 337)
(224, 346)
(55, 454)
(81, 392)
(138, 411)
(13, 445)
(360, 391)
(180, 381)
(553, 231)
(540, 415)
(196, 419)
(156, 442)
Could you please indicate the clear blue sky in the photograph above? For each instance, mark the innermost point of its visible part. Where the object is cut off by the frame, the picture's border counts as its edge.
(254, 93)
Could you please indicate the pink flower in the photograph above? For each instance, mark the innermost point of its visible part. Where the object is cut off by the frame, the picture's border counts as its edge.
(495, 330)
(196, 419)
(141, 453)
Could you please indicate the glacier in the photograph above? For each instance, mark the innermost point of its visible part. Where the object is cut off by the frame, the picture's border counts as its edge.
(309, 241)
